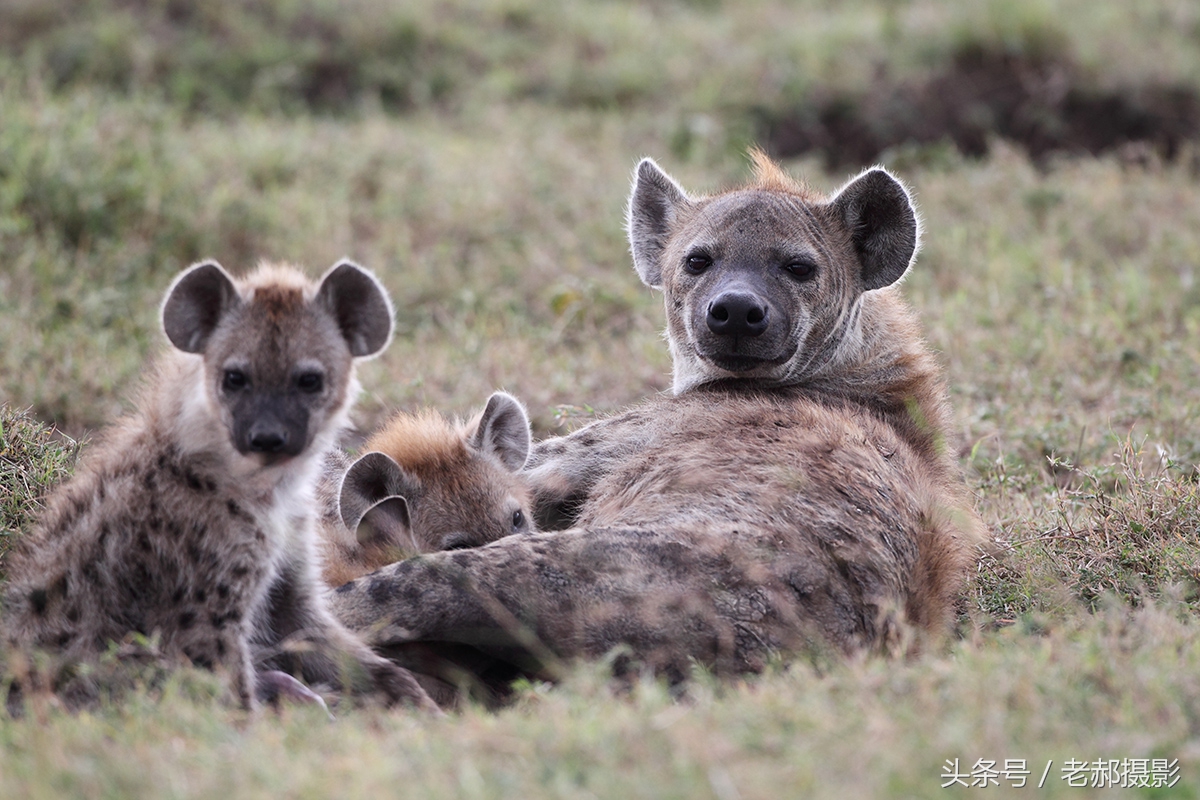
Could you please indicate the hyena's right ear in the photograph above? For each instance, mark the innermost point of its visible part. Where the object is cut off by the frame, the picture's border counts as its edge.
(372, 500)
(195, 303)
(360, 305)
(503, 431)
(653, 205)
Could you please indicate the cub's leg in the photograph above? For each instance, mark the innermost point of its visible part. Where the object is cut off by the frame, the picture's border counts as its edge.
(304, 638)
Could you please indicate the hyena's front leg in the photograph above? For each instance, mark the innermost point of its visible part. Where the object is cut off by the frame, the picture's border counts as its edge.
(242, 667)
(308, 640)
(398, 685)
(535, 601)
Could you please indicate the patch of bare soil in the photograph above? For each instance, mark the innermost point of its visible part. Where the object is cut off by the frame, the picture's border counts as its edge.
(1044, 105)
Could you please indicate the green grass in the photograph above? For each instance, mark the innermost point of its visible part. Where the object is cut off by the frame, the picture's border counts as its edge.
(33, 459)
(477, 157)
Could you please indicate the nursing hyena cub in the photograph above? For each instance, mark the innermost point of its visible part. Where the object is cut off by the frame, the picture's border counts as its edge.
(192, 520)
(795, 490)
(426, 484)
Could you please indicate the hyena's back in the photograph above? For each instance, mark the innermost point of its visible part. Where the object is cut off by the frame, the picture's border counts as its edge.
(130, 546)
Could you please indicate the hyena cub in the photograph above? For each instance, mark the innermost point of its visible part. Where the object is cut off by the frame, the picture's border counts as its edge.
(426, 484)
(192, 520)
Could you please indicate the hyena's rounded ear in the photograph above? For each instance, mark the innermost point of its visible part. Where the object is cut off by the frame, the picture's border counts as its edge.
(883, 225)
(372, 478)
(653, 205)
(200, 296)
(502, 430)
(386, 524)
(360, 305)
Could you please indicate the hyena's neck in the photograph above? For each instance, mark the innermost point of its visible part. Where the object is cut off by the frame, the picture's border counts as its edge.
(891, 371)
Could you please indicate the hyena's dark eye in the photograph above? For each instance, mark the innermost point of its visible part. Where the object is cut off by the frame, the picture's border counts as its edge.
(801, 269)
(310, 382)
(697, 263)
(518, 520)
(234, 379)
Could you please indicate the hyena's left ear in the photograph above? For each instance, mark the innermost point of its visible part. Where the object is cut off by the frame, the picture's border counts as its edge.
(883, 225)
(360, 305)
(653, 205)
(368, 497)
(386, 524)
(503, 431)
(195, 303)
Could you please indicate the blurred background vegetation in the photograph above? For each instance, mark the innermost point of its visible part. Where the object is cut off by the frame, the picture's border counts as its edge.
(476, 155)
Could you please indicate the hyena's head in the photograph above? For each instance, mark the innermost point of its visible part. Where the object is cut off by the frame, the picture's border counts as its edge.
(764, 282)
(426, 484)
(278, 350)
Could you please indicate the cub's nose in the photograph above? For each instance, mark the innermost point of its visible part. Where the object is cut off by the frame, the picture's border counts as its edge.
(737, 314)
(267, 440)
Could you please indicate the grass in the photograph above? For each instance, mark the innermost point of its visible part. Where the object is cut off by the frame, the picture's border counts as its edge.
(32, 461)
(1082, 689)
(476, 155)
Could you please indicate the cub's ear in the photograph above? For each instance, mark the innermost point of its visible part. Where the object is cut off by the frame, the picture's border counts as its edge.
(883, 225)
(195, 304)
(386, 524)
(370, 480)
(360, 305)
(654, 203)
(502, 430)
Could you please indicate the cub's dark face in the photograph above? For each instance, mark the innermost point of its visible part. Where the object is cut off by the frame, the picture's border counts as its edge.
(480, 503)
(763, 283)
(278, 369)
(277, 349)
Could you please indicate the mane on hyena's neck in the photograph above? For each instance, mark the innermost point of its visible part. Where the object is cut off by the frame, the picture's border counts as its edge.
(886, 367)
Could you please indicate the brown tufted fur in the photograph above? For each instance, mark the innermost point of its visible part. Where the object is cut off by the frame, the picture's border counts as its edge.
(795, 491)
(184, 521)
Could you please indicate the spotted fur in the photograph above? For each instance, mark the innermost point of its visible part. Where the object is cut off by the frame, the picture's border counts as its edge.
(190, 521)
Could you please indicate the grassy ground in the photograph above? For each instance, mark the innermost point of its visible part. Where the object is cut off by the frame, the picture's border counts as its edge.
(476, 155)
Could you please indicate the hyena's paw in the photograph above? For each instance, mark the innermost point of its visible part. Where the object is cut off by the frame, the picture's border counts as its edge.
(399, 685)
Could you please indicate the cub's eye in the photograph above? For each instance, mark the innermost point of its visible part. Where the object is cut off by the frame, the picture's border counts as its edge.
(697, 263)
(518, 520)
(310, 382)
(801, 269)
(234, 379)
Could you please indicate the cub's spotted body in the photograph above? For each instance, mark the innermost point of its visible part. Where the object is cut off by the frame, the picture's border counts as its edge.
(191, 520)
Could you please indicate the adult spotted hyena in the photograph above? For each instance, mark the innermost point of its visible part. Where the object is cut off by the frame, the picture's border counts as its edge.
(192, 520)
(795, 490)
(426, 484)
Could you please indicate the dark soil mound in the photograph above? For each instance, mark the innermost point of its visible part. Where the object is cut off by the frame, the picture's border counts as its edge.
(1042, 104)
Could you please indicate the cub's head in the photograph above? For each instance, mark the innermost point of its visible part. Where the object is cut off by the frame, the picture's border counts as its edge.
(426, 484)
(278, 349)
(764, 282)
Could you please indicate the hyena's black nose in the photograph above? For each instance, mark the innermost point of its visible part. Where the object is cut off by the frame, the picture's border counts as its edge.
(266, 439)
(737, 314)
